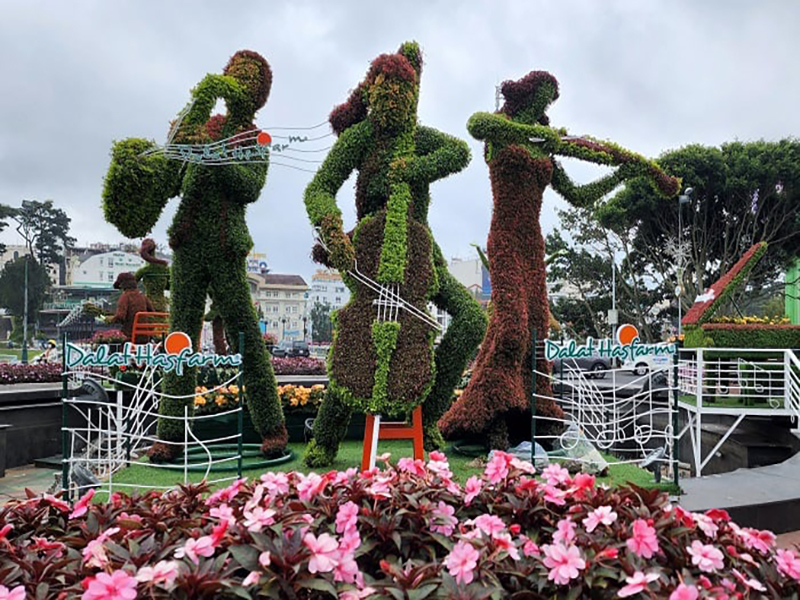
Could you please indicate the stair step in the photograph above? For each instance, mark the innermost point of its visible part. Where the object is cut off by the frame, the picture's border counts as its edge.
(50, 462)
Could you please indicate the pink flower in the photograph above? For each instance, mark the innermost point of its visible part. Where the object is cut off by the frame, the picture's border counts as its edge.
(381, 488)
(56, 503)
(503, 541)
(227, 494)
(755, 539)
(582, 483)
(565, 532)
(94, 554)
(44, 545)
(497, 468)
(489, 524)
(346, 517)
(413, 466)
(555, 474)
(258, 518)
(445, 522)
(324, 552)
(753, 584)
(343, 477)
(461, 562)
(437, 456)
(530, 549)
(705, 557)
(472, 489)
(788, 564)
(117, 586)
(277, 484)
(564, 562)
(600, 515)
(4, 531)
(310, 485)
(347, 570)
(251, 579)
(194, 548)
(438, 465)
(554, 495)
(350, 541)
(706, 524)
(17, 593)
(685, 592)
(637, 583)
(163, 574)
(223, 512)
(265, 559)
(643, 542)
(82, 505)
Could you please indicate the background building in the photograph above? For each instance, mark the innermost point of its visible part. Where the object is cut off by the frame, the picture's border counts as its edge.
(327, 287)
(282, 301)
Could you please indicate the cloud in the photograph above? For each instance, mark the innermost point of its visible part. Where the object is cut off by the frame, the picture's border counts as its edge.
(651, 76)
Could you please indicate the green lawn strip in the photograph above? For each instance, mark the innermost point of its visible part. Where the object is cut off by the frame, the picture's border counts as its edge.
(350, 456)
(18, 352)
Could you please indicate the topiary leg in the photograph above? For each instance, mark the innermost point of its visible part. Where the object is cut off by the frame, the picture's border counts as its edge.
(330, 428)
(231, 293)
(465, 332)
(188, 306)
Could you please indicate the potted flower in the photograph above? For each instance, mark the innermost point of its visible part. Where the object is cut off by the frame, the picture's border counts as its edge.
(270, 339)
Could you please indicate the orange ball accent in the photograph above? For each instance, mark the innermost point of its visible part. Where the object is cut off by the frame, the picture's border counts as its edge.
(264, 138)
(176, 342)
(626, 334)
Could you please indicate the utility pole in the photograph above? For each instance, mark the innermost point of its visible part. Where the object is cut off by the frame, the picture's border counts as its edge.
(25, 317)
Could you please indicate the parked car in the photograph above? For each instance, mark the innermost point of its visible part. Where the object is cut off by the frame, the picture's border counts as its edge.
(288, 348)
(642, 365)
(594, 366)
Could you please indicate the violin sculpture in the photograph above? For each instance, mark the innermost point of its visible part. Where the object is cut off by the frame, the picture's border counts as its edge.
(521, 147)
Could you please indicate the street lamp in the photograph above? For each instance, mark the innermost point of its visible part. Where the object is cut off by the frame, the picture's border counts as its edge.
(283, 330)
(305, 331)
(684, 198)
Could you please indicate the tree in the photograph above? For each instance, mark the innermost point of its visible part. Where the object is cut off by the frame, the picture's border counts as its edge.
(5, 214)
(321, 324)
(12, 287)
(743, 193)
(45, 230)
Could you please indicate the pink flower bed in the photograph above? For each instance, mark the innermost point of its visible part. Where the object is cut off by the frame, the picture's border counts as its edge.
(298, 365)
(29, 374)
(404, 531)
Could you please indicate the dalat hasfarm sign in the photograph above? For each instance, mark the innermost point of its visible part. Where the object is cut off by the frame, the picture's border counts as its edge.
(626, 347)
(176, 355)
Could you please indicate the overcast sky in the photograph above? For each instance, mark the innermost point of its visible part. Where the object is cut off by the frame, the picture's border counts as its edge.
(649, 75)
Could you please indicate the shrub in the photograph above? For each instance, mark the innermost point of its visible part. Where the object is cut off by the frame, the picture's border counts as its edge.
(43, 373)
(402, 532)
(270, 339)
(734, 335)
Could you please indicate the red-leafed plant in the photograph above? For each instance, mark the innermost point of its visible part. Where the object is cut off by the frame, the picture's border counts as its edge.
(407, 531)
(43, 373)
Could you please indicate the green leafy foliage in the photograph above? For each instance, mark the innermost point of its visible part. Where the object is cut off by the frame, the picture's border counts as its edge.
(321, 324)
(12, 287)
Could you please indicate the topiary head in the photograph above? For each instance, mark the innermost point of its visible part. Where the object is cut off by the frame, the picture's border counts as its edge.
(527, 99)
(253, 73)
(388, 95)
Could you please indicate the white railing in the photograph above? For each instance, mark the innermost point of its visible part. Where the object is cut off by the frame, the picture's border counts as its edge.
(627, 417)
(108, 435)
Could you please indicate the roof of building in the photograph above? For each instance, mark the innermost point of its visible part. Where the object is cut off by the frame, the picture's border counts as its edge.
(275, 279)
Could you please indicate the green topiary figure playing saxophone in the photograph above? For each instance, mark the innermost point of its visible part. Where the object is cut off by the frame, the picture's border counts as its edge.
(382, 360)
(213, 164)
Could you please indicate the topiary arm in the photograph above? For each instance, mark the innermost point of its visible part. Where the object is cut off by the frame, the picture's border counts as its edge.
(499, 129)
(584, 195)
(320, 195)
(438, 155)
(630, 164)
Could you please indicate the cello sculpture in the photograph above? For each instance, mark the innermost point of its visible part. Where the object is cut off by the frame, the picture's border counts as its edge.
(382, 359)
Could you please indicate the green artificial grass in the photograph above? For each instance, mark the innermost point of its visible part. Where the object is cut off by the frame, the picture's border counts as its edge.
(350, 456)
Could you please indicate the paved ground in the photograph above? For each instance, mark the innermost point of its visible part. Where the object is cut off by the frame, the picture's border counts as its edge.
(17, 479)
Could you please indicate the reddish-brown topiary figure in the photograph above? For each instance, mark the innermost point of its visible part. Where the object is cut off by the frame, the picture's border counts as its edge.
(519, 150)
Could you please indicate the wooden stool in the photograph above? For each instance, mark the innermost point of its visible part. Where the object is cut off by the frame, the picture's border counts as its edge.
(149, 324)
(391, 430)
